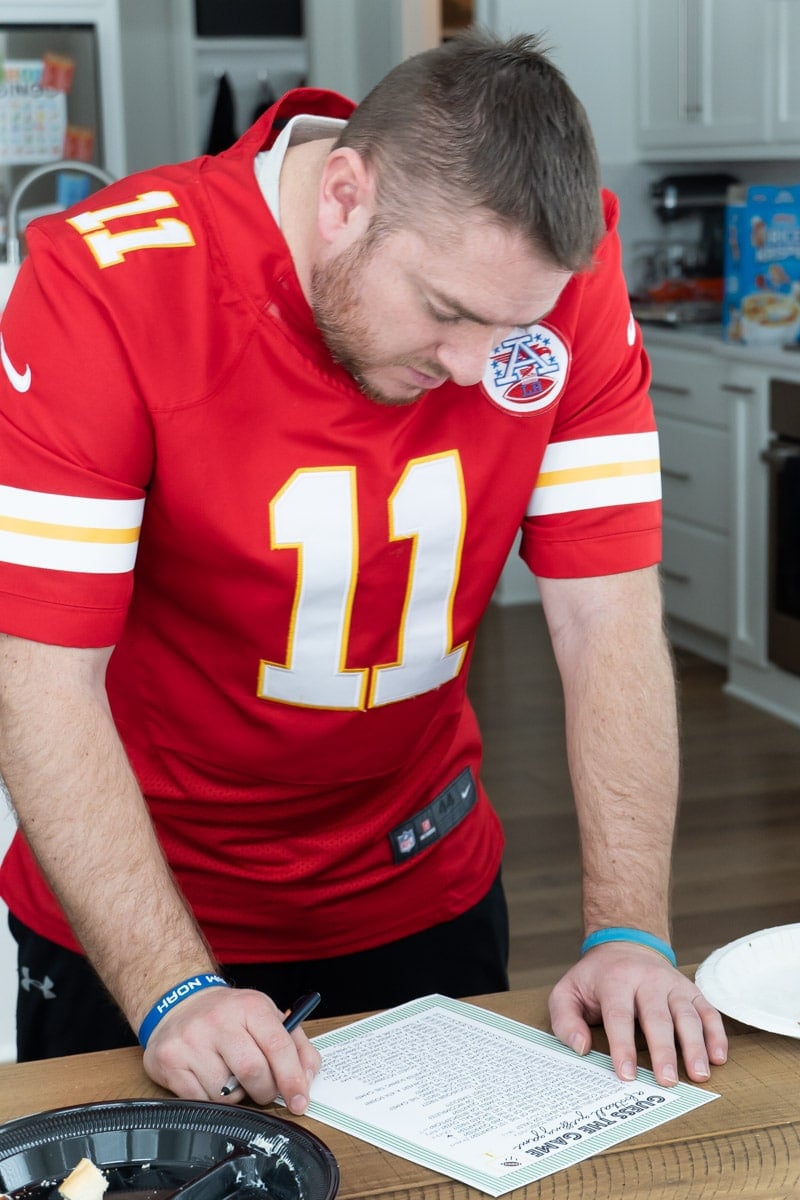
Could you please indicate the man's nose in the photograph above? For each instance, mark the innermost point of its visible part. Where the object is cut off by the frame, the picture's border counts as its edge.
(465, 357)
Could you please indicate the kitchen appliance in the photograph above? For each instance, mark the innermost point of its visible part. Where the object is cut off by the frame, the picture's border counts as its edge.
(782, 457)
(679, 277)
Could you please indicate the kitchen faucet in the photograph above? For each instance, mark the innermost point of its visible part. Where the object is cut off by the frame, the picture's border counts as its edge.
(65, 164)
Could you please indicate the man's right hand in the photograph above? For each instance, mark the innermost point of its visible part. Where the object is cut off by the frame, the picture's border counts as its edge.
(221, 1032)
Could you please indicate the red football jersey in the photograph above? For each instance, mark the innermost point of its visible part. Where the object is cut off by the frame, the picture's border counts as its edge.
(290, 670)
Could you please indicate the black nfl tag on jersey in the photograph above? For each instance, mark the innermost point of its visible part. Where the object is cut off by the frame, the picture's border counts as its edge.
(431, 823)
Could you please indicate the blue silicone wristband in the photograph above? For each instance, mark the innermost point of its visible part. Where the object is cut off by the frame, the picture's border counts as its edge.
(621, 934)
(189, 987)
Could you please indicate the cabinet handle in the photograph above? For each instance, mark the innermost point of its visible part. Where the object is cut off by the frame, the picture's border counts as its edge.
(675, 576)
(682, 476)
(669, 389)
(779, 453)
(737, 389)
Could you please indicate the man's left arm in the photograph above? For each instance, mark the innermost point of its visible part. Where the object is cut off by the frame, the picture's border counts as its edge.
(622, 739)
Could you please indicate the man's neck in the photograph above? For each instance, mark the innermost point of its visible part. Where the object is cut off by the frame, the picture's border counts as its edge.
(299, 191)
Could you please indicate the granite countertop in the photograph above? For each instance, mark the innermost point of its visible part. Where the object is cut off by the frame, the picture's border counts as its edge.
(708, 339)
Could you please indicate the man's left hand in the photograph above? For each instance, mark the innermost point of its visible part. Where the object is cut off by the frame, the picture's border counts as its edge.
(619, 984)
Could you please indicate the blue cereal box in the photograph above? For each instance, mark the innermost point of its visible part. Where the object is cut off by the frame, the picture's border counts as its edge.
(761, 305)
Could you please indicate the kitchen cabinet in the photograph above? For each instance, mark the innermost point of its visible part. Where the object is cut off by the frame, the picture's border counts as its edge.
(702, 78)
(784, 25)
(691, 406)
(751, 675)
(103, 17)
(718, 79)
(712, 404)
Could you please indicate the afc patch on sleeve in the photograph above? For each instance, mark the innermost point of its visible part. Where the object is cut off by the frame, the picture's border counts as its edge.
(431, 823)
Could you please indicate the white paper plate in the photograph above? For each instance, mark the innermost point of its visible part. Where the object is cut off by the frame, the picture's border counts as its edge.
(756, 979)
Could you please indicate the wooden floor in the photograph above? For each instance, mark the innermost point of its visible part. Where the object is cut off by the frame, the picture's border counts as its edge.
(737, 854)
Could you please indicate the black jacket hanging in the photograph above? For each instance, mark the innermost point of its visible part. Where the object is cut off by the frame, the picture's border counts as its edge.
(222, 131)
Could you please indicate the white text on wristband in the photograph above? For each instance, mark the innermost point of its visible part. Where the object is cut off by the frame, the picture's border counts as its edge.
(196, 983)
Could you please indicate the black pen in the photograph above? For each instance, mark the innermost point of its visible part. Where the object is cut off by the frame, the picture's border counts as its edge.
(302, 1008)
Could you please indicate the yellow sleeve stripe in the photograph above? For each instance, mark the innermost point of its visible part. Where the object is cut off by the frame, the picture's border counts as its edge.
(604, 471)
(68, 533)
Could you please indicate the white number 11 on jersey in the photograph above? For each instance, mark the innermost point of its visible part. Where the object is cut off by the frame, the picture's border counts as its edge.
(316, 513)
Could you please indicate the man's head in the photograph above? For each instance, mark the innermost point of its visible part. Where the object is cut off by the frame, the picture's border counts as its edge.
(454, 206)
(478, 123)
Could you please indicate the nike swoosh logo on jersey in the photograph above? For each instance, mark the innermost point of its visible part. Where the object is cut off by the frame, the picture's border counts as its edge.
(19, 380)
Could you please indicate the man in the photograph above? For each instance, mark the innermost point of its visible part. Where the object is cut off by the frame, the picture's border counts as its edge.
(313, 386)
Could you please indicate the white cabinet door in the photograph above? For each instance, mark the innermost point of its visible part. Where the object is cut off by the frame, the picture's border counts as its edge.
(703, 74)
(663, 72)
(695, 462)
(784, 25)
(693, 415)
(734, 84)
(694, 574)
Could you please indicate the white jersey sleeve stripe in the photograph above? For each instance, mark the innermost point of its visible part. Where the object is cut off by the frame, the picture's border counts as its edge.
(597, 473)
(87, 557)
(53, 509)
(585, 452)
(68, 533)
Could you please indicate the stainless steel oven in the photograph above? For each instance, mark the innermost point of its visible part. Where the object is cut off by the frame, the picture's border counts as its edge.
(782, 457)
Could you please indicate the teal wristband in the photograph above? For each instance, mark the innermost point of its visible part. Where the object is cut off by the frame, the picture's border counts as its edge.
(197, 983)
(639, 936)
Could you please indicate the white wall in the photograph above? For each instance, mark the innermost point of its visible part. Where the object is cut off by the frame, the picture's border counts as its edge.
(352, 44)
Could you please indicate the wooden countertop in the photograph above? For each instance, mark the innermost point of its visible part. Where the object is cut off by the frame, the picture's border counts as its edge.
(744, 1145)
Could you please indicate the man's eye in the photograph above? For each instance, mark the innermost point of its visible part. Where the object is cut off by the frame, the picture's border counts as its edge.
(445, 318)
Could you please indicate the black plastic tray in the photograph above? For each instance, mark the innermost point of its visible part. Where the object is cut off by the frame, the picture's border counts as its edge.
(154, 1149)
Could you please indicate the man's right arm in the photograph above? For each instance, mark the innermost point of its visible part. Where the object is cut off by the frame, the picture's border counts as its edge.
(83, 815)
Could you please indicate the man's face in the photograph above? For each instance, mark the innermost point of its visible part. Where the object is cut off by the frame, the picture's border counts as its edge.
(405, 312)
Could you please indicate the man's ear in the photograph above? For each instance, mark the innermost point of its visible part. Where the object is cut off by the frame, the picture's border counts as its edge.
(346, 197)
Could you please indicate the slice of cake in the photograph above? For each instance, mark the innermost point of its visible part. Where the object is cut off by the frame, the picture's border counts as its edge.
(84, 1182)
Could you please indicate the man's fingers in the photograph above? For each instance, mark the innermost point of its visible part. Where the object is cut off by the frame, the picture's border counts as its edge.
(619, 1020)
(655, 1014)
(701, 1035)
(567, 1019)
(621, 987)
(270, 1064)
(219, 1034)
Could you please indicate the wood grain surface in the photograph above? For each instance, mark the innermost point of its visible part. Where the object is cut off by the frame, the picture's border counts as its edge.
(745, 1144)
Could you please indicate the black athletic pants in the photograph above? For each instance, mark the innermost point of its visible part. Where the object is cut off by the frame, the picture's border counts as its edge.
(62, 1008)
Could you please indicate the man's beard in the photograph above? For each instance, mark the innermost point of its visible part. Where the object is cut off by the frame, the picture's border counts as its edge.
(338, 308)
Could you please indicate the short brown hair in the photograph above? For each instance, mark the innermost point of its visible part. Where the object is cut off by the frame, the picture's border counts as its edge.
(480, 122)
